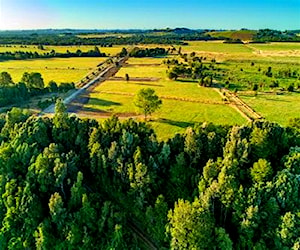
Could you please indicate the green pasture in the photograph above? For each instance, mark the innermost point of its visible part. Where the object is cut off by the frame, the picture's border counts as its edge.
(143, 71)
(275, 108)
(215, 46)
(57, 69)
(146, 60)
(242, 74)
(270, 52)
(284, 46)
(60, 49)
(173, 117)
(184, 103)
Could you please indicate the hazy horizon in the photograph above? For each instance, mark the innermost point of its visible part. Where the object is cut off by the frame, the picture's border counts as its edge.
(193, 14)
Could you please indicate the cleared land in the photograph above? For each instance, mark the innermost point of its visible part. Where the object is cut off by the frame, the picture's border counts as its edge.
(271, 52)
(57, 69)
(60, 49)
(275, 108)
(184, 103)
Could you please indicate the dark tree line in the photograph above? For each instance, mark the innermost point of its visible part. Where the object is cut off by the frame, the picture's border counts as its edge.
(107, 41)
(68, 183)
(268, 35)
(21, 55)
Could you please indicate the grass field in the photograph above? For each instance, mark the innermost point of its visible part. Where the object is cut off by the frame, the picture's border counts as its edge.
(57, 69)
(275, 108)
(184, 103)
(243, 74)
(215, 46)
(271, 52)
(60, 49)
(277, 46)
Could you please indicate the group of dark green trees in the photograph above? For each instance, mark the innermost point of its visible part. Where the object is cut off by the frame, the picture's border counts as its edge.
(148, 52)
(68, 183)
(193, 68)
(31, 84)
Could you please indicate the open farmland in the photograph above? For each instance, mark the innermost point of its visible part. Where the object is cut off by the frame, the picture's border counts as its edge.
(57, 69)
(270, 52)
(59, 49)
(184, 103)
(275, 108)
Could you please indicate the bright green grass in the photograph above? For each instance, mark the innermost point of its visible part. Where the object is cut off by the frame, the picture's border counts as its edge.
(149, 60)
(61, 49)
(173, 117)
(275, 108)
(13, 48)
(175, 114)
(57, 69)
(252, 75)
(165, 88)
(216, 46)
(277, 46)
(143, 71)
(272, 52)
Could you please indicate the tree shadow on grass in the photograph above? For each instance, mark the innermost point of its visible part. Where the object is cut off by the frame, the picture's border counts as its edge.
(94, 110)
(180, 124)
(187, 80)
(102, 102)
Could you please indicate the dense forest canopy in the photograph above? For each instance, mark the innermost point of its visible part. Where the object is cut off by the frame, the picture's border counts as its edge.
(125, 37)
(68, 183)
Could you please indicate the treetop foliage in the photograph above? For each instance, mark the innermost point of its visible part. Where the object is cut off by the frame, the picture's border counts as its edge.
(68, 183)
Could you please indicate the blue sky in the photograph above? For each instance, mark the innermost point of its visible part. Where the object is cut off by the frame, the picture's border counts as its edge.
(118, 14)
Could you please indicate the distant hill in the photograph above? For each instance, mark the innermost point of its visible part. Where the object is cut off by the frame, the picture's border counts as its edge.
(244, 35)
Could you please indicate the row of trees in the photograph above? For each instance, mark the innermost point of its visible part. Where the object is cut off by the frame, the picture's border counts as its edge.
(22, 55)
(68, 183)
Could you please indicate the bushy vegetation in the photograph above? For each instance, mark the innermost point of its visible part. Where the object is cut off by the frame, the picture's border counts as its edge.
(268, 35)
(31, 84)
(68, 183)
(152, 52)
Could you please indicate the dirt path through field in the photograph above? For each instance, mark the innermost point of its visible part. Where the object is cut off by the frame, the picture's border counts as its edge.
(240, 106)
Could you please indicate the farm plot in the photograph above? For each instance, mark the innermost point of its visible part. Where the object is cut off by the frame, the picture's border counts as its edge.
(57, 69)
(110, 51)
(184, 103)
(275, 108)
